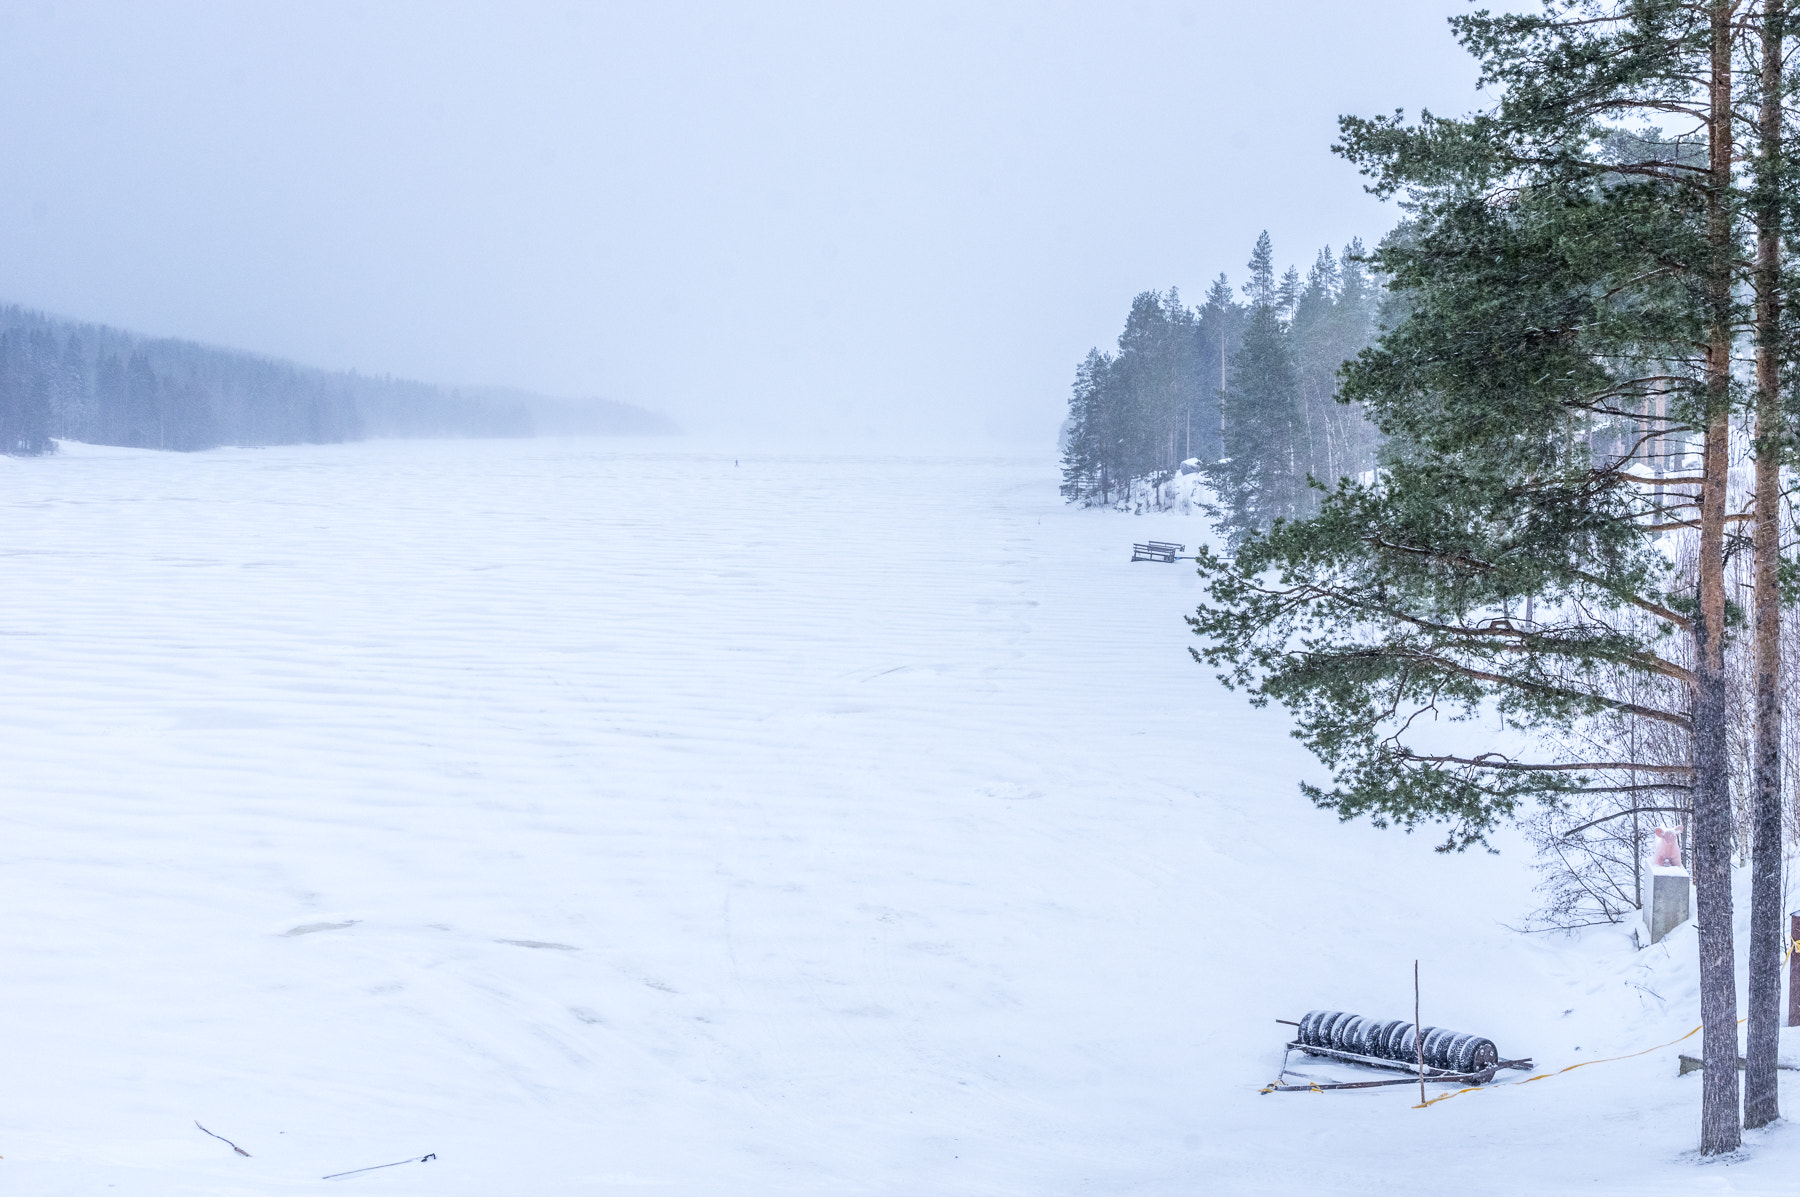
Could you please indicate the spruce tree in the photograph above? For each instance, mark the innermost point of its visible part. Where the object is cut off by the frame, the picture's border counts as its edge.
(1316, 363)
(1145, 372)
(109, 421)
(1261, 476)
(1088, 465)
(24, 399)
(73, 413)
(1333, 321)
(143, 404)
(1218, 328)
(1135, 415)
(1354, 320)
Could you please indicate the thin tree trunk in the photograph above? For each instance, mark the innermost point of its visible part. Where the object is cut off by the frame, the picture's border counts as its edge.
(1222, 439)
(1762, 1098)
(1720, 1127)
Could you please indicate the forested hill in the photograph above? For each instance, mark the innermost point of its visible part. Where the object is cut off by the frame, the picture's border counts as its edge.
(87, 382)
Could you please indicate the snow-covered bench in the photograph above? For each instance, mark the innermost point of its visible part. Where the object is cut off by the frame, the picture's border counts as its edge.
(1156, 550)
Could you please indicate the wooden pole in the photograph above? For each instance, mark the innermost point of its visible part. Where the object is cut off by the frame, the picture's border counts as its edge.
(1418, 1033)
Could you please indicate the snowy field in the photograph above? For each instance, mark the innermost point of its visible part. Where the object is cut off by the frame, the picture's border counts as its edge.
(612, 819)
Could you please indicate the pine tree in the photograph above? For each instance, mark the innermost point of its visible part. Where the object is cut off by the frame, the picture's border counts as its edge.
(1770, 199)
(1261, 289)
(1555, 296)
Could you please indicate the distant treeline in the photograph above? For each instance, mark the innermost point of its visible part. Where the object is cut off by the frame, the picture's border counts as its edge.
(1247, 390)
(87, 382)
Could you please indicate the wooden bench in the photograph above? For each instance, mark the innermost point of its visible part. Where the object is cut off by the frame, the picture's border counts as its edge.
(1156, 550)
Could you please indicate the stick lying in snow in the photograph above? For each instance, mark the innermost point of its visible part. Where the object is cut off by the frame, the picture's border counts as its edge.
(224, 1140)
(417, 1159)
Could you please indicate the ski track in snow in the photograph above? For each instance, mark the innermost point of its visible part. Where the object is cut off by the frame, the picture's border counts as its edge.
(607, 817)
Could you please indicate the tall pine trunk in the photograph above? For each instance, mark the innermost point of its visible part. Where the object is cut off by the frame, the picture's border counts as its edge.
(1762, 1099)
(1720, 1126)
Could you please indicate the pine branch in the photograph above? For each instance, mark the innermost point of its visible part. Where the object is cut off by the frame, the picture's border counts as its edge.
(1555, 692)
(1636, 810)
(1495, 760)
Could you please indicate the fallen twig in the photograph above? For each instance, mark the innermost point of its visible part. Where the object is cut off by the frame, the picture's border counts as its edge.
(417, 1159)
(224, 1140)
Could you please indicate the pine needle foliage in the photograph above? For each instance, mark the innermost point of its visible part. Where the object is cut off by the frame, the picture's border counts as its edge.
(1579, 288)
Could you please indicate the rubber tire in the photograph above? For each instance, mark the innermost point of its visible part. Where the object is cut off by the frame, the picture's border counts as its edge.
(1399, 1041)
(1377, 1039)
(1480, 1054)
(1433, 1037)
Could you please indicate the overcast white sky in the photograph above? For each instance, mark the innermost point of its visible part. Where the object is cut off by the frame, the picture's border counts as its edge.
(862, 222)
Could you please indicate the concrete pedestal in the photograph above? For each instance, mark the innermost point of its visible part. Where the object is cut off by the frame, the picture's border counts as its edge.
(1668, 906)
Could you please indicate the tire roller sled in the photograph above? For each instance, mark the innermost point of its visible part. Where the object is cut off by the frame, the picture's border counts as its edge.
(1449, 1056)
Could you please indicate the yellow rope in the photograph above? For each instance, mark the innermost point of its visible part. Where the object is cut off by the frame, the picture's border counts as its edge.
(1311, 1087)
(1544, 1076)
(1793, 944)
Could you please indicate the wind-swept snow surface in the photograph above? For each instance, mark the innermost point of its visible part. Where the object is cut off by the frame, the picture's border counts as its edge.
(606, 820)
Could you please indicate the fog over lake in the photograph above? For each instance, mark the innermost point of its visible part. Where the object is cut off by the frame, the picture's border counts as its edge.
(848, 223)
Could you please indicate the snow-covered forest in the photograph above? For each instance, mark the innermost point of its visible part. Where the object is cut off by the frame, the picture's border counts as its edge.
(1244, 389)
(60, 379)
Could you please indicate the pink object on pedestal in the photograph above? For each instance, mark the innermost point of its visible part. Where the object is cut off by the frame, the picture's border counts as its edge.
(1667, 852)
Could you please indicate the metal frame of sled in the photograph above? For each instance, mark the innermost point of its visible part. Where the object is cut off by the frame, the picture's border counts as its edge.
(1420, 1053)
(1479, 1076)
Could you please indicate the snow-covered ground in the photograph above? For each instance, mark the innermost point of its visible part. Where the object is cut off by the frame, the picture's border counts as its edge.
(610, 819)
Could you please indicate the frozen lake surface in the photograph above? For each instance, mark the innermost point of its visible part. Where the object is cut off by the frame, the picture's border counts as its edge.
(613, 818)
